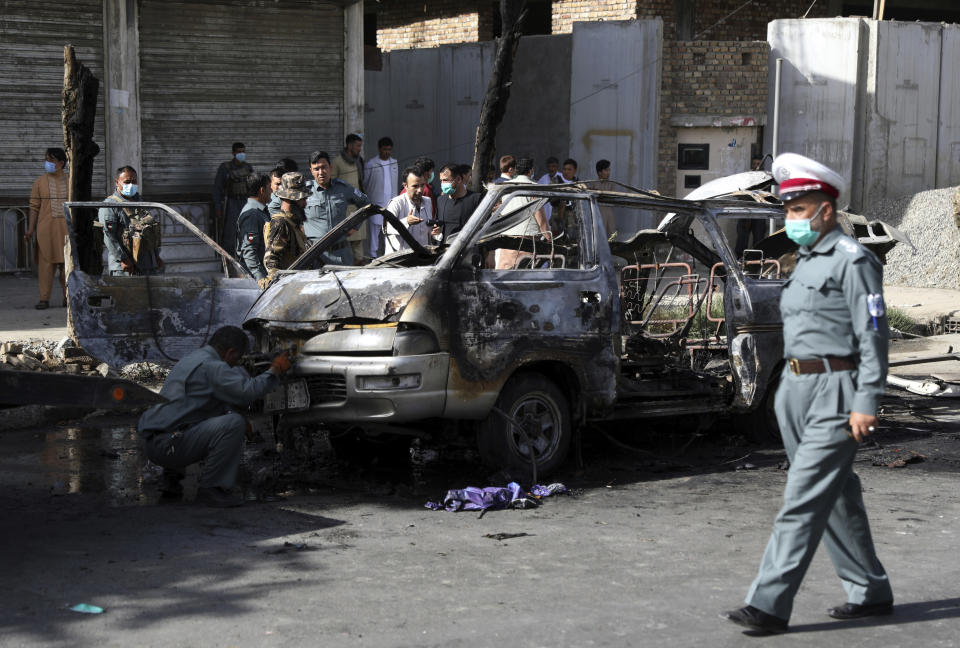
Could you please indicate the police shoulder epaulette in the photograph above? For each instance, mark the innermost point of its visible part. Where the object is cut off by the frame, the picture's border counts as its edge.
(851, 247)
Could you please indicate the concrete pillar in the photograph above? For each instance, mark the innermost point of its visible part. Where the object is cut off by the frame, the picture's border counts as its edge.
(353, 68)
(121, 46)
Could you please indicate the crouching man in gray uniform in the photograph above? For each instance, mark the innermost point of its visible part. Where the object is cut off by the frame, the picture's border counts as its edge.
(835, 343)
(199, 421)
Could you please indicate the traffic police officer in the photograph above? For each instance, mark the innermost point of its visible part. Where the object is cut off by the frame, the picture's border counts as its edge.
(327, 207)
(250, 246)
(835, 343)
(284, 236)
(200, 420)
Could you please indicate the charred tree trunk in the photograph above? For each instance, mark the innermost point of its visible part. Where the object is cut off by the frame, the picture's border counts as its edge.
(512, 13)
(78, 117)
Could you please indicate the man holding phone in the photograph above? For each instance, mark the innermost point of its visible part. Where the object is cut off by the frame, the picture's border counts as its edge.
(413, 209)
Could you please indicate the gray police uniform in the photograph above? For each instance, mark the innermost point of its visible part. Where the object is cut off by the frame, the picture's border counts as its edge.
(115, 221)
(327, 208)
(273, 207)
(250, 246)
(826, 313)
(196, 423)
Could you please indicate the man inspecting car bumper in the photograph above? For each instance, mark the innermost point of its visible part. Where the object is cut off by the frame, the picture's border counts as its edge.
(199, 421)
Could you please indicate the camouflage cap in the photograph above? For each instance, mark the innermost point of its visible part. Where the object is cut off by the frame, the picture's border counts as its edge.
(293, 187)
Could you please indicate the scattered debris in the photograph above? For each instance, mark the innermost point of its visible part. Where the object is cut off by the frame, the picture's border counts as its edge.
(505, 536)
(288, 547)
(473, 498)
(86, 608)
(928, 387)
(897, 460)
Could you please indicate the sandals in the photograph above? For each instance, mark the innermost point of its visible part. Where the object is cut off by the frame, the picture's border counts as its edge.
(43, 304)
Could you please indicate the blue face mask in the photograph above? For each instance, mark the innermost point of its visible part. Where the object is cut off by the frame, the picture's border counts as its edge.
(447, 188)
(128, 189)
(800, 232)
(430, 179)
(241, 157)
(49, 167)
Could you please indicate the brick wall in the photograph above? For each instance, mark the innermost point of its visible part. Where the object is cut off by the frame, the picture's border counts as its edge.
(415, 24)
(406, 24)
(567, 12)
(714, 19)
(719, 79)
(750, 22)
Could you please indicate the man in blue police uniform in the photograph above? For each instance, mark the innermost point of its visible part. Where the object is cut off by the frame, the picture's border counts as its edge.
(250, 245)
(327, 207)
(200, 420)
(835, 343)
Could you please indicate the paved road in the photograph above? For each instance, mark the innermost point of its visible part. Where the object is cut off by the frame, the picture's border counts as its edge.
(645, 553)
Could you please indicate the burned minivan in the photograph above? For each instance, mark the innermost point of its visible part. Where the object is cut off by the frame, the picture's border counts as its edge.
(520, 336)
(510, 331)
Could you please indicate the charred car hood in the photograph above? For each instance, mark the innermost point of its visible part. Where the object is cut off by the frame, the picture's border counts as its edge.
(373, 294)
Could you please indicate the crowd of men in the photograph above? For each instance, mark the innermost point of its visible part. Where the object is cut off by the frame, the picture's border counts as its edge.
(268, 220)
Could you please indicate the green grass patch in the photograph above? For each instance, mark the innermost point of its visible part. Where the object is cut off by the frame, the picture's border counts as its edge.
(897, 318)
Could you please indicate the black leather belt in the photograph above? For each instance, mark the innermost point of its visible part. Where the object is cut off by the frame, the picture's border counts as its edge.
(819, 365)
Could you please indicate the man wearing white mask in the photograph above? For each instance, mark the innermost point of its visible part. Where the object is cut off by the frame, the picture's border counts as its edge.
(131, 235)
(230, 194)
(47, 196)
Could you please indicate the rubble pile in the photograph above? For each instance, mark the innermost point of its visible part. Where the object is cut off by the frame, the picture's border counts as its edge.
(929, 218)
(62, 357)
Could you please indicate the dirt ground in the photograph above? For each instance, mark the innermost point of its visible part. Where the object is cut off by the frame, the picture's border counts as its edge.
(663, 529)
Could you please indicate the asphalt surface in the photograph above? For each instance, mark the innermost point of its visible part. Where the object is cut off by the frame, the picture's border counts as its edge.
(650, 546)
(664, 529)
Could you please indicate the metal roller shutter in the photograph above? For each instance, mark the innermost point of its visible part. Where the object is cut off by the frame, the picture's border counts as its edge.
(32, 36)
(268, 74)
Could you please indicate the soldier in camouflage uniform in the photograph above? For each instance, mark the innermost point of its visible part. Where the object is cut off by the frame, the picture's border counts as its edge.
(284, 236)
(230, 195)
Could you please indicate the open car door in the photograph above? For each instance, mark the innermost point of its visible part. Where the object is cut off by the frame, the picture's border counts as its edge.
(160, 318)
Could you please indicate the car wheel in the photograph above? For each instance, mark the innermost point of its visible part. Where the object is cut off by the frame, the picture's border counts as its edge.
(531, 420)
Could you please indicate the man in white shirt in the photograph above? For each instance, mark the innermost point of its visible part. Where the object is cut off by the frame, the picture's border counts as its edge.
(413, 209)
(537, 224)
(553, 169)
(380, 180)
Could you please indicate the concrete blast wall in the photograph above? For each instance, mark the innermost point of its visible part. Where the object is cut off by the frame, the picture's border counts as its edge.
(615, 98)
(877, 101)
(590, 95)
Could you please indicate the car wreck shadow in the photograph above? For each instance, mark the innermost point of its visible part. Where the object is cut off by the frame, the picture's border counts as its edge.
(903, 613)
(149, 565)
(74, 529)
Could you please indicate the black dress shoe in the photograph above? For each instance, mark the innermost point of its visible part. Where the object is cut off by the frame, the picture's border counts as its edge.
(758, 620)
(170, 486)
(218, 498)
(854, 611)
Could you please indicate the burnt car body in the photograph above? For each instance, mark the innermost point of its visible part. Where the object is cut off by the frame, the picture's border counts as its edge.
(577, 330)
(160, 318)
(438, 339)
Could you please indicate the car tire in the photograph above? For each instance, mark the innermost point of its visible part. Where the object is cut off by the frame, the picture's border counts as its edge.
(543, 410)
